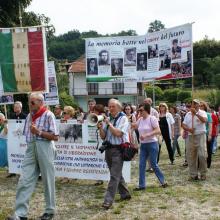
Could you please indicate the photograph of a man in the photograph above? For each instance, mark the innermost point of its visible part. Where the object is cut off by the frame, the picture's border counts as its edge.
(104, 57)
(176, 50)
(130, 57)
(152, 51)
(92, 66)
(141, 61)
(117, 67)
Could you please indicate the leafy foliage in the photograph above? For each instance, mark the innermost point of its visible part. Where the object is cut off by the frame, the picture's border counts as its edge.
(9, 12)
(156, 25)
(158, 92)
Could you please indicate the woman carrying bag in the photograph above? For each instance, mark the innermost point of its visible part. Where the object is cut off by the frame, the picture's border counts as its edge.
(148, 128)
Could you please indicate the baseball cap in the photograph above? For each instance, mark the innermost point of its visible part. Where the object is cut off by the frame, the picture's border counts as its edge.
(58, 106)
(196, 101)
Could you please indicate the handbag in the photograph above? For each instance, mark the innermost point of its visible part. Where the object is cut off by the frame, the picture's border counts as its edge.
(128, 150)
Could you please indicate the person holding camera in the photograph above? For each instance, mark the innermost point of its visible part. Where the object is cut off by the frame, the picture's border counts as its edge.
(3, 141)
(114, 132)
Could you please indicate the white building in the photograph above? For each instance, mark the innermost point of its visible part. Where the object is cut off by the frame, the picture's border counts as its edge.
(128, 92)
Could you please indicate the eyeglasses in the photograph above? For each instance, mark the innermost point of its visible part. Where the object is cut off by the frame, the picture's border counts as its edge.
(35, 102)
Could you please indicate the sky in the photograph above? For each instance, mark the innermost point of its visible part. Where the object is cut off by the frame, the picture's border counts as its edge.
(113, 16)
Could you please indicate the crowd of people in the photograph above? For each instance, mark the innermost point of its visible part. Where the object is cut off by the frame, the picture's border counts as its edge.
(146, 127)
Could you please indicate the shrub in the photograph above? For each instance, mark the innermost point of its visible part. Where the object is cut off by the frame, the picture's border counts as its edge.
(158, 92)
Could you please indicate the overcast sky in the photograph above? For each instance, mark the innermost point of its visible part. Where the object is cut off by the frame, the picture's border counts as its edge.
(112, 16)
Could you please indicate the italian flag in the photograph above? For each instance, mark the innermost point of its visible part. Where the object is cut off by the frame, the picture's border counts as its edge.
(22, 60)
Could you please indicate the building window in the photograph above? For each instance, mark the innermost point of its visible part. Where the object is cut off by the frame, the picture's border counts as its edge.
(118, 88)
(93, 88)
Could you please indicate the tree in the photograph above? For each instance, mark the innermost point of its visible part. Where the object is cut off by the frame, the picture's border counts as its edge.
(156, 26)
(157, 90)
(9, 12)
(125, 33)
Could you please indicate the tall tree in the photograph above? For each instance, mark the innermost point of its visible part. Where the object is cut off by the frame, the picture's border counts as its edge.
(156, 26)
(9, 11)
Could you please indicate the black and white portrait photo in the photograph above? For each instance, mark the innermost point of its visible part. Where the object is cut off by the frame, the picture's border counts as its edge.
(104, 58)
(130, 57)
(117, 67)
(152, 51)
(141, 61)
(92, 68)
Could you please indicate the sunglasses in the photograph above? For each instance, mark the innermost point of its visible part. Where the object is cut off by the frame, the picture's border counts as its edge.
(35, 102)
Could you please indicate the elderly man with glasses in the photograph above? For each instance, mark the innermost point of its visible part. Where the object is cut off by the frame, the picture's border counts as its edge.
(41, 132)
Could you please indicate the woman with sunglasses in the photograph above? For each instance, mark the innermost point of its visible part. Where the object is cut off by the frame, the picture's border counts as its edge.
(148, 128)
(128, 110)
(166, 123)
(68, 113)
(3, 141)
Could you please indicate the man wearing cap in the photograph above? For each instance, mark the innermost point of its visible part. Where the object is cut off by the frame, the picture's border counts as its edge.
(194, 124)
(58, 111)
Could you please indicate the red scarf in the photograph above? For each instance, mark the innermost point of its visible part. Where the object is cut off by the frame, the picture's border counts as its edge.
(38, 113)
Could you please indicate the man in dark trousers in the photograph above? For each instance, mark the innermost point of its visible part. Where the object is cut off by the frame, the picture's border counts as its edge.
(115, 131)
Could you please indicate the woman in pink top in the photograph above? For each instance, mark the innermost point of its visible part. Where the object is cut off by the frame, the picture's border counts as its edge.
(148, 128)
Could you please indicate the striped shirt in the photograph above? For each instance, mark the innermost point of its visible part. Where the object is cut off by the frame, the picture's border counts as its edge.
(46, 122)
(122, 124)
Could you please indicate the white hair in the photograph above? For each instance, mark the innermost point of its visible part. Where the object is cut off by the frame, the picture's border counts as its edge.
(37, 95)
(18, 103)
(2, 116)
(116, 102)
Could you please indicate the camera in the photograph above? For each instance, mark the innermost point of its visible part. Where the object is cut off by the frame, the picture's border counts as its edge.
(105, 145)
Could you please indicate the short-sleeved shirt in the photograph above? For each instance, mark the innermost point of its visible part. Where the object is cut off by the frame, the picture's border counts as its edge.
(46, 122)
(147, 125)
(123, 125)
(154, 112)
(198, 125)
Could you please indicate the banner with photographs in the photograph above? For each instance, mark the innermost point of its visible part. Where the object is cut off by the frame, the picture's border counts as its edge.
(160, 55)
(6, 99)
(52, 97)
(76, 157)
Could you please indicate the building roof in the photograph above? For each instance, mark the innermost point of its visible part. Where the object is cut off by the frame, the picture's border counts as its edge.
(78, 66)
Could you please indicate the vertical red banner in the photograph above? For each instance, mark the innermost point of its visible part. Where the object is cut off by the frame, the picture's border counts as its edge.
(36, 57)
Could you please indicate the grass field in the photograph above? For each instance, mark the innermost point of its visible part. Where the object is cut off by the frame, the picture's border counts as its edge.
(80, 199)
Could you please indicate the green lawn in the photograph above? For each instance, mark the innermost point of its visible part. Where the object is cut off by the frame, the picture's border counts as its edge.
(82, 200)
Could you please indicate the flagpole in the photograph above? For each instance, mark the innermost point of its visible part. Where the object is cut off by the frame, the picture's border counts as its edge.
(20, 14)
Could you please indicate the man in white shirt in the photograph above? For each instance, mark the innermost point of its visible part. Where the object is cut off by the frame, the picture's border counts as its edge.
(194, 124)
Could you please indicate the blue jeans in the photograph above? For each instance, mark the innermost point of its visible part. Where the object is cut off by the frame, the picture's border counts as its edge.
(149, 151)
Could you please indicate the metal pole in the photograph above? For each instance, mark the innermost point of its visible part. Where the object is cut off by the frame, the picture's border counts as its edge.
(20, 14)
